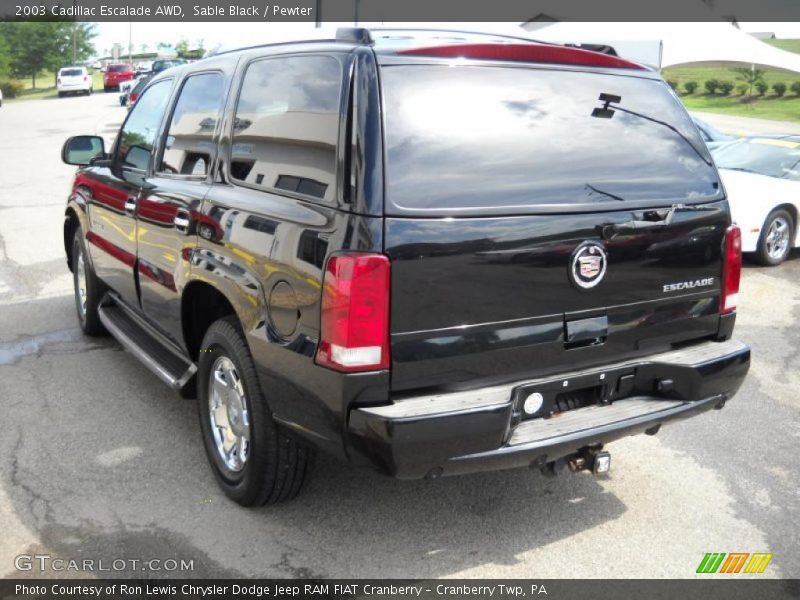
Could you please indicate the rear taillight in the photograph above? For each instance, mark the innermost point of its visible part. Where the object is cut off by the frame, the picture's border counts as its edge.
(354, 329)
(731, 270)
(58, 81)
(134, 97)
(86, 78)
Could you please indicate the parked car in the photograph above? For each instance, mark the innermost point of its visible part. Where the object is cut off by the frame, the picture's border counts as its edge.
(712, 136)
(115, 74)
(308, 238)
(1, 97)
(73, 80)
(131, 93)
(762, 178)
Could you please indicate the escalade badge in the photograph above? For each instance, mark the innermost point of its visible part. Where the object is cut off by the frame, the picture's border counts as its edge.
(588, 265)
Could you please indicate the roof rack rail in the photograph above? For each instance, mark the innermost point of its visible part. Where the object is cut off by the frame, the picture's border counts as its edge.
(355, 35)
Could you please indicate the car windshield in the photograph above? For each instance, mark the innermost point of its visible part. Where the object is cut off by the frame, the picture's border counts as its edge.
(767, 156)
(714, 134)
(163, 65)
(71, 72)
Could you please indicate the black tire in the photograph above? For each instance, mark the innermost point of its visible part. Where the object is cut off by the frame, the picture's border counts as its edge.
(276, 464)
(60, 94)
(88, 318)
(765, 253)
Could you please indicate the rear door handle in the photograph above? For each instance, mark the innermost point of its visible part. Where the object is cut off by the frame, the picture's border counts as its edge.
(130, 205)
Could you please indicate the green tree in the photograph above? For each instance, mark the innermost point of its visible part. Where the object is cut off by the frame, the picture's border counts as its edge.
(751, 77)
(35, 46)
(5, 62)
(182, 48)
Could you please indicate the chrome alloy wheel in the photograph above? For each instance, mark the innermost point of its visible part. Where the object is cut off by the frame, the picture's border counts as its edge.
(777, 239)
(80, 285)
(230, 420)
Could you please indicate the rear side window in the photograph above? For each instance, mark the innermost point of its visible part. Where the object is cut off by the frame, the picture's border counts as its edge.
(287, 125)
(471, 138)
(189, 142)
(138, 135)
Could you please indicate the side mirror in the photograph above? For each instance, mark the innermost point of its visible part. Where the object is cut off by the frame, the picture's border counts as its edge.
(81, 149)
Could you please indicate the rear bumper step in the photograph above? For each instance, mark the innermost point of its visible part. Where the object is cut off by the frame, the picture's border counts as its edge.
(483, 429)
(143, 342)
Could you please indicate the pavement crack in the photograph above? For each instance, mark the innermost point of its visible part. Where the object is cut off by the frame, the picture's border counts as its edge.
(35, 499)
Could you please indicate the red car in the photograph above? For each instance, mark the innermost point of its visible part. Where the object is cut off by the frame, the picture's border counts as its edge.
(115, 74)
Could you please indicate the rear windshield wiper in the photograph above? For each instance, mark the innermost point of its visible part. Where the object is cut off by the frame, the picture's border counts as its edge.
(599, 191)
(658, 122)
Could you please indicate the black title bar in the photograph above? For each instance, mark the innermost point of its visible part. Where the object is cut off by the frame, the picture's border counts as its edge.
(713, 588)
(401, 10)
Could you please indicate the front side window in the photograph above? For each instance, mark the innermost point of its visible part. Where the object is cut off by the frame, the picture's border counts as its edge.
(287, 124)
(189, 144)
(138, 135)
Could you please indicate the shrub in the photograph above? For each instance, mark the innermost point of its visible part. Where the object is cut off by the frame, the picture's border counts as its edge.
(11, 88)
(691, 87)
(742, 88)
(796, 88)
(726, 87)
(761, 87)
(673, 84)
(779, 88)
(712, 85)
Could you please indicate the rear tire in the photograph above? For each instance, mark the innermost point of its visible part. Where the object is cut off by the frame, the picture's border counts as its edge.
(776, 238)
(89, 290)
(254, 461)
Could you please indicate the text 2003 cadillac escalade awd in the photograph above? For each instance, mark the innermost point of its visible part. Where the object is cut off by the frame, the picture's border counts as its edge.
(456, 254)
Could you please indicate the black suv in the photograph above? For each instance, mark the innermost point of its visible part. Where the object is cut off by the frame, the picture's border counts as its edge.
(430, 254)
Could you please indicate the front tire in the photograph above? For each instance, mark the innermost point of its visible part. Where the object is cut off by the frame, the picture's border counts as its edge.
(89, 290)
(776, 238)
(254, 461)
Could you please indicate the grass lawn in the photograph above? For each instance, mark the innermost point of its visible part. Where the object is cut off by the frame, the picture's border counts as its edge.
(768, 106)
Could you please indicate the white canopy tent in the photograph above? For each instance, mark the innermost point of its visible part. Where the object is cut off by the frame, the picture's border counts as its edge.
(677, 43)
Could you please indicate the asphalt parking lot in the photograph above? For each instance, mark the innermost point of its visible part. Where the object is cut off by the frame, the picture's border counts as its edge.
(98, 459)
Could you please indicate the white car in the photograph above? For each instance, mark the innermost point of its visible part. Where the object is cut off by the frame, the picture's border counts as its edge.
(73, 80)
(762, 178)
(1, 97)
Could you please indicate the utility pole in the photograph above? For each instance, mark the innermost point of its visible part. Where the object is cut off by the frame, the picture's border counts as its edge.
(74, 37)
(130, 43)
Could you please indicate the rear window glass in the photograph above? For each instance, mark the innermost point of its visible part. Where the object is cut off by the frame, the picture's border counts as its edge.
(71, 72)
(505, 138)
(119, 68)
(287, 125)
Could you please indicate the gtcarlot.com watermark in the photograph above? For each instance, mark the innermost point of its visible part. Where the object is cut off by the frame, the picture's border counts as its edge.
(45, 562)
